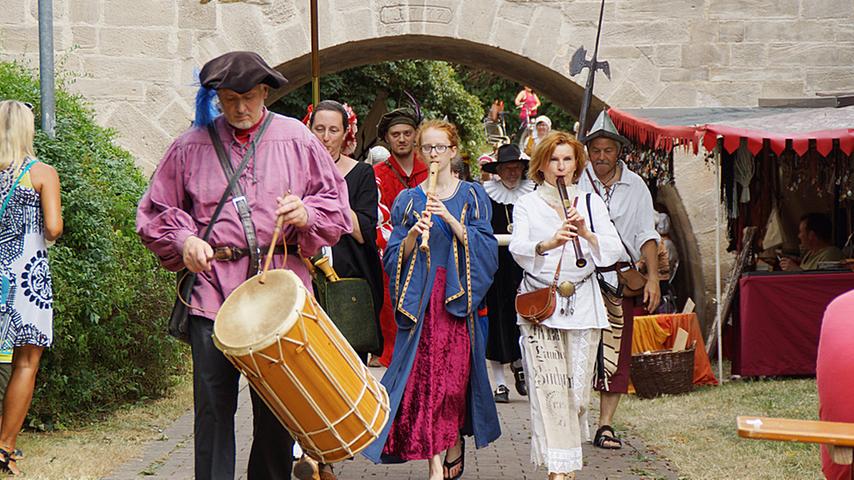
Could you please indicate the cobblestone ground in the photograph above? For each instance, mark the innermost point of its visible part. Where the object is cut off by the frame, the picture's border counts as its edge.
(509, 458)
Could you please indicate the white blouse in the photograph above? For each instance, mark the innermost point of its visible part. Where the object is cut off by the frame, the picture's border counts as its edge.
(535, 219)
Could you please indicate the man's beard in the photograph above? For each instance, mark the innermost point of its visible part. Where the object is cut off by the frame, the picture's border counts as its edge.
(242, 125)
(399, 153)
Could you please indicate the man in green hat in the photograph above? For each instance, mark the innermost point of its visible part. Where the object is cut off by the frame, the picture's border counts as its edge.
(630, 206)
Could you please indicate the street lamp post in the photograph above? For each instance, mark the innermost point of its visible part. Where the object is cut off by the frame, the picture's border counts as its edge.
(46, 67)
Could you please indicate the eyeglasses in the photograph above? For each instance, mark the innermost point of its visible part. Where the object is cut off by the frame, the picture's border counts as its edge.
(28, 105)
(440, 149)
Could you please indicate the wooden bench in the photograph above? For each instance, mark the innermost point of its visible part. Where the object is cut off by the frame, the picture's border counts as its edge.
(839, 437)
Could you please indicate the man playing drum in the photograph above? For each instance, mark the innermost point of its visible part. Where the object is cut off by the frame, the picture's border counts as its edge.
(289, 173)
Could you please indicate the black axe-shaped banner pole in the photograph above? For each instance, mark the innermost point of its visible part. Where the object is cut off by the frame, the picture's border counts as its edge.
(592, 65)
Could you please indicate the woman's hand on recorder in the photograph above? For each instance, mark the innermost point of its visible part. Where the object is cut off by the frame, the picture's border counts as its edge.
(578, 221)
(565, 233)
(422, 225)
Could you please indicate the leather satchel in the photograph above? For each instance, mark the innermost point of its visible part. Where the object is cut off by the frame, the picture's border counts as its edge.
(632, 282)
(179, 325)
(539, 305)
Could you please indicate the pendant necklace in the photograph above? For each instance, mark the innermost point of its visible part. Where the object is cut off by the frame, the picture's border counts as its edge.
(509, 222)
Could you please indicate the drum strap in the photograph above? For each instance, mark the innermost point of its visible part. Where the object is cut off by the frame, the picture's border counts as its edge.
(239, 198)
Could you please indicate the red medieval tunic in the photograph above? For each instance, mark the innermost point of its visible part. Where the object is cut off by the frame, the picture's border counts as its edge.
(391, 180)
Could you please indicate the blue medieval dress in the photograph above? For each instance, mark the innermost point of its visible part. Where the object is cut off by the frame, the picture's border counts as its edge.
(435, 394)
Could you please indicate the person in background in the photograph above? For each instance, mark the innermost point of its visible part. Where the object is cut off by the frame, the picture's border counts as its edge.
(542, 127)
(402, 169)
(355, 255)
(630, 207)
(815, 232)
(460, 169)
(527, 102)
(437, 382)
(834, 375)
(32, 217)
(502, 344)
(377, 154)
(560, 353)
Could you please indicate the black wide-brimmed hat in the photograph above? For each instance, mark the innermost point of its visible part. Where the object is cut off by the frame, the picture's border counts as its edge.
(506, 154)
(239, 71)
(604, 128)
(401, 116)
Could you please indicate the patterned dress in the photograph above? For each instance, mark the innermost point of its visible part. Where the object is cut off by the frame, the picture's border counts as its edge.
(26, 310)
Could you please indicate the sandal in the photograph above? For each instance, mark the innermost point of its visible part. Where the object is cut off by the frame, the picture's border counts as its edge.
(7, 463)
(600, 439)
(459, 462)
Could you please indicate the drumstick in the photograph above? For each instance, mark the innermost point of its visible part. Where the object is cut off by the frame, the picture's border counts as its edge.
(431, 188)
(280, 222)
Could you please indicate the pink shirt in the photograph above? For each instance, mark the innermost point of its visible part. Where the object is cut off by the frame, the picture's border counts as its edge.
(189, 182)
(835, 373)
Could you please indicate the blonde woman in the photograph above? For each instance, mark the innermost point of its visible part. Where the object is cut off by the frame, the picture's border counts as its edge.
(31, 215)
(559, 354)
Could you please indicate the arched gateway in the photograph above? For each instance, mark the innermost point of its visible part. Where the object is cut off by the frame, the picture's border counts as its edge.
(134, 61)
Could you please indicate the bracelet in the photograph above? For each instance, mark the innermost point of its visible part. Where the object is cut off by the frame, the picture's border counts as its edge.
(538, 248)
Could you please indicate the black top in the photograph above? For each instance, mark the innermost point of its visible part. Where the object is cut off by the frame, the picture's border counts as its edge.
(503, 337)
(350, 258)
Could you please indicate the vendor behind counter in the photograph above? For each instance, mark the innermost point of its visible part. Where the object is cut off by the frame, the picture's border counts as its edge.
(815, 233)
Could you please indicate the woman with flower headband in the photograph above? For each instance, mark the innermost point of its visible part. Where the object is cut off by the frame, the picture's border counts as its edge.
(355, 255)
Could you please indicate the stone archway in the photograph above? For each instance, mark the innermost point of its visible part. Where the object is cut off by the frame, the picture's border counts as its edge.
(560, 89)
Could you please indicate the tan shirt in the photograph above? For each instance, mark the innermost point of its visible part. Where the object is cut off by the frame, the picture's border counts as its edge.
(827, 254)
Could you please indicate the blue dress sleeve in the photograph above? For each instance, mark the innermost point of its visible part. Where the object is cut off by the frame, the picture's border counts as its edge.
(475, 258)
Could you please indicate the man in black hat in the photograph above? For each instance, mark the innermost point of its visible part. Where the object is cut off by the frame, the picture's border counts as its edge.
(502, 344)
(630, 206)
(286, 172)
(401, 170)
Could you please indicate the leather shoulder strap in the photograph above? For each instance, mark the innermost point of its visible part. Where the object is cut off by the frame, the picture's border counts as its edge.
(239, 200)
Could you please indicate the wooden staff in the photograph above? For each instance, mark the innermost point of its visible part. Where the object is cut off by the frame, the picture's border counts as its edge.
(431, 188)
(580, 261)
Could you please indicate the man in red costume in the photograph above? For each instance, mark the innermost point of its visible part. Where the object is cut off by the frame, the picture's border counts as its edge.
(403, 169)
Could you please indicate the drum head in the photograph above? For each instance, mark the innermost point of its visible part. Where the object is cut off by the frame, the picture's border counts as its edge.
(254, 313)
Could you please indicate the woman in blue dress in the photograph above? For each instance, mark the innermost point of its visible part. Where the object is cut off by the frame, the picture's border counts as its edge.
(31, 215)
(437, 381)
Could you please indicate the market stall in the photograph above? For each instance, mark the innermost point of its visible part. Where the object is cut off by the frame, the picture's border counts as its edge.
(772, 166)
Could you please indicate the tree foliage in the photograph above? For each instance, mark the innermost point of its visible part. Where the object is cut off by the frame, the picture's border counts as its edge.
(435, 85)
(111, 299)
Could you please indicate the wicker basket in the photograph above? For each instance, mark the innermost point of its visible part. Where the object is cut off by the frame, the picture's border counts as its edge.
(657, 373)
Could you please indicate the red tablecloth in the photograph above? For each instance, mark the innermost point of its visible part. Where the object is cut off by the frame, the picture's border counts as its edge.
(780, 320)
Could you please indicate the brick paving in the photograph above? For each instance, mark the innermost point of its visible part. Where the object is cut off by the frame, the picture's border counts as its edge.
(171, 457)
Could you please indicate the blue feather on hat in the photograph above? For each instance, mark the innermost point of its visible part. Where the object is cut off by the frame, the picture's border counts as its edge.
(206, 109)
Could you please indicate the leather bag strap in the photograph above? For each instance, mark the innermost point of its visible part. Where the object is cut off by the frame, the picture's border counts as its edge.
(239, 198)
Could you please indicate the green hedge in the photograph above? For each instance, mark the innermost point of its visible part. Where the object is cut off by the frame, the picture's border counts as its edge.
(111, 299)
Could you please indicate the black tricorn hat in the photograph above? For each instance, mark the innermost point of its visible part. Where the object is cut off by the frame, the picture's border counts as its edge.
(239, 71)
(396, 117)
(506, 154)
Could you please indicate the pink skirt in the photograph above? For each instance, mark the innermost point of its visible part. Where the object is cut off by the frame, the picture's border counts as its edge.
(433, 408)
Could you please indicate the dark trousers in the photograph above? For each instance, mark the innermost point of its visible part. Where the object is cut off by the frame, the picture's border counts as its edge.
(215, 384)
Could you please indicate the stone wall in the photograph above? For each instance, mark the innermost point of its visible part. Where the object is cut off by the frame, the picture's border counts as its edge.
(134, 60)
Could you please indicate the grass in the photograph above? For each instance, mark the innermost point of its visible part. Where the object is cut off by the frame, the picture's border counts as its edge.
(95, 450)
(697, 432)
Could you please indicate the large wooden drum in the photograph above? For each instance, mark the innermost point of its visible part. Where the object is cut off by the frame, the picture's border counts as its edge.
(295, 358)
